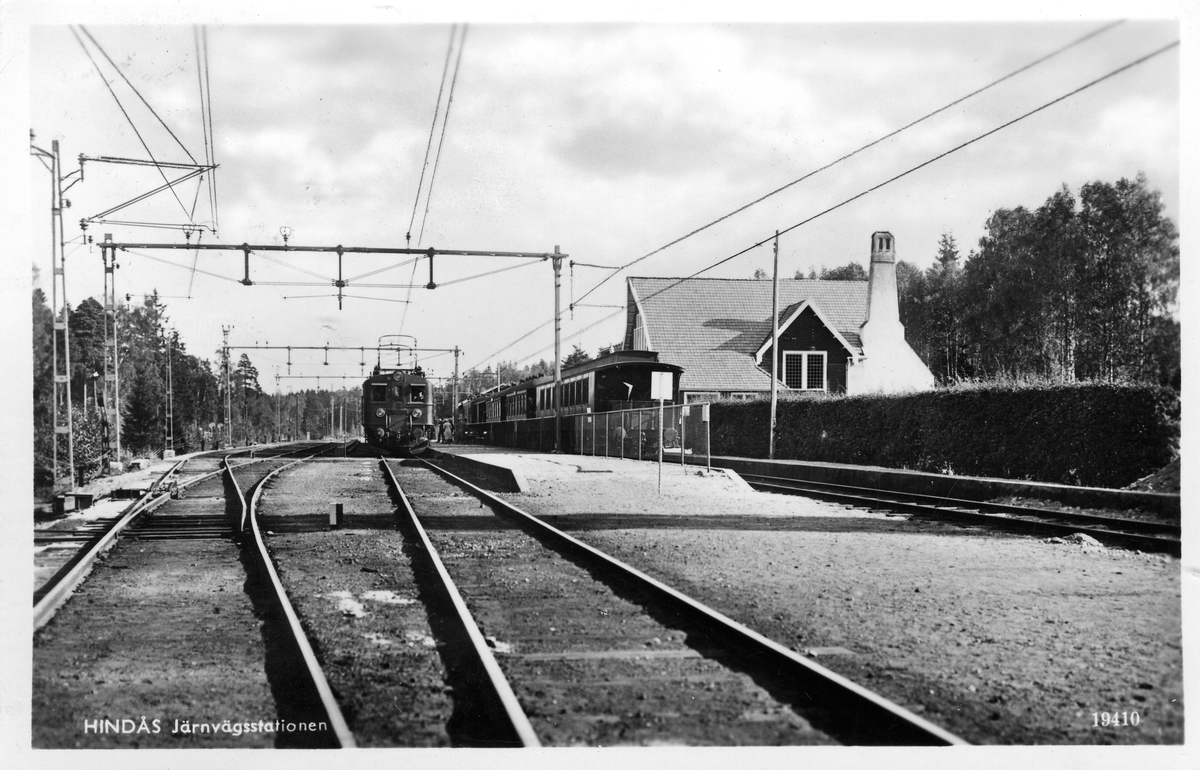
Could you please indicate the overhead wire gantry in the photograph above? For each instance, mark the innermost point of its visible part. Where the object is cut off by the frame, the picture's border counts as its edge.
(108, 249)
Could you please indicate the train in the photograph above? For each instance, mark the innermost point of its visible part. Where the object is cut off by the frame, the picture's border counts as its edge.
(398, 410)
(522, 414)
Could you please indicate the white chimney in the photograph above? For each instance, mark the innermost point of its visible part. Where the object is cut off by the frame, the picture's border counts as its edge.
(883, 308)
(888, 364)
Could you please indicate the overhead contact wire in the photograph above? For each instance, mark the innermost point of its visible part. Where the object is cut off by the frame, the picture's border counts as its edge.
(203, 123)
(849, 155)
(462, 39)
(976, 92)
(493, 272)
(201, 69)
(385, 269)
(212, 179)
(136, 92)
(170, 184)
(437, 110)
(951, 151)
(173, 264)
(901, 175)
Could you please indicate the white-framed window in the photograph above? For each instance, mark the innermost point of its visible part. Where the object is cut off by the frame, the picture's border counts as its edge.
(742, 396)
(805, 370)
(689, 398)
(639, 334)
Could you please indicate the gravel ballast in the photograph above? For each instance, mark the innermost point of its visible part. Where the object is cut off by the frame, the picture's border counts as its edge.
(999, 638)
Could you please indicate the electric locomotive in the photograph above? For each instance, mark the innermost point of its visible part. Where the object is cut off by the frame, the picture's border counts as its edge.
(398, 409)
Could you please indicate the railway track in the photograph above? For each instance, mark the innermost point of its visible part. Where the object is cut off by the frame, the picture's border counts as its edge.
(434, 614)
(1142, 535)
(439, 620)
(305, 695)
(579, 648)
(96, 538)
(361, 593)
(168, 620)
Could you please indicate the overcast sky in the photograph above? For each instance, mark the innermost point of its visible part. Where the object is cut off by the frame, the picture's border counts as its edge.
(609, 140)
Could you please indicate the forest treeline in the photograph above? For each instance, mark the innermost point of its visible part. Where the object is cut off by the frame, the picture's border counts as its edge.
(147, 347)
(1082, 288)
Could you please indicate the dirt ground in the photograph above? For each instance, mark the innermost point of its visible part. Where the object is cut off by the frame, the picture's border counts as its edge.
(589, 664)
(999, 638)
(1002, 639)
(163, 630)
(355, 592)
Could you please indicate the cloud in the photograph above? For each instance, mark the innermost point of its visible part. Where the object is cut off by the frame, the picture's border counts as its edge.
(620, 146)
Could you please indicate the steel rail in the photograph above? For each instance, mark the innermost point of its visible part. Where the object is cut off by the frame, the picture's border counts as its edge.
(1170, 545)
(57, 594)
(500, 688)
(1132, 525)
(241, 527)
(59, 589)
(337, 722)
(899, 725)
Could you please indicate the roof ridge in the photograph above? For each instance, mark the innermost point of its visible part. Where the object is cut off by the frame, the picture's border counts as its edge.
(740, 280)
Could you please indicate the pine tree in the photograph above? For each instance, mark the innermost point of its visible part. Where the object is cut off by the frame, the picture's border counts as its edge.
(43, 388)
(576, 357)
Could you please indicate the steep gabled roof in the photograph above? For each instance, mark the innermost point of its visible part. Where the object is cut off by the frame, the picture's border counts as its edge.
(713, 327)
(789, 316)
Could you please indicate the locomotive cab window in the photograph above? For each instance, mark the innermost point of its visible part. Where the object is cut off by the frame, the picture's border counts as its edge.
(416, 393)
(379, 392)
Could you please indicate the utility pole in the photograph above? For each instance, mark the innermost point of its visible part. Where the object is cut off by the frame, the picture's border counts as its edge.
(557, 349)
(774, 348)
(228, 394)
(169, 449)
(454, 404)
(62, 424)
(112, 383)
(62, 378)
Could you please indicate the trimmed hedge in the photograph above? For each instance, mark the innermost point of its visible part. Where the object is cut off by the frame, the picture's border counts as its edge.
(1088, 434)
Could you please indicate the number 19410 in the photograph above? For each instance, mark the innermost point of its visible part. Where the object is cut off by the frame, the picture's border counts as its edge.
(1115, 719)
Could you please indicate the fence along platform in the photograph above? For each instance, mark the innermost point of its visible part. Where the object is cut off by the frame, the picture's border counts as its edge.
(634, 434)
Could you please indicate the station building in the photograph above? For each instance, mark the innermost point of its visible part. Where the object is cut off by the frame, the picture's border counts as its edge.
(834, 336)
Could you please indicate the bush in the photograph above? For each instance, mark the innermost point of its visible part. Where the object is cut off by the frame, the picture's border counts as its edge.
(1087, 434)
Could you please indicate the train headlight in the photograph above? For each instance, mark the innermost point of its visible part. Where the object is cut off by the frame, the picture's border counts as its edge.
(418, 433)
(397, 376)
(416, 413)
(380, 412)
(379, 432)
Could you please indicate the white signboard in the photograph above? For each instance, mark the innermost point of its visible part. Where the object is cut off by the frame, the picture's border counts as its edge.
(661, 385)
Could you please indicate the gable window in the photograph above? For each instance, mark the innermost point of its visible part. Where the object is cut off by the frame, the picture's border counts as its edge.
(639, 334)
(805, 370)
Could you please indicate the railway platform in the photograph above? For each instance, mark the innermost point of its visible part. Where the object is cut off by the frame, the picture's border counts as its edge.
(1163, 505)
